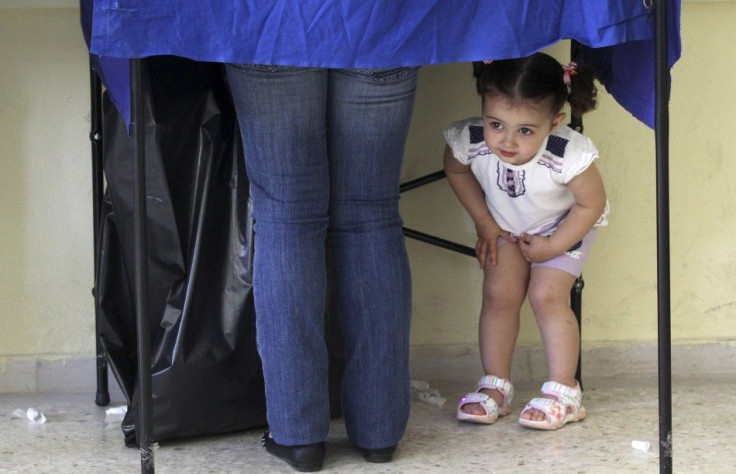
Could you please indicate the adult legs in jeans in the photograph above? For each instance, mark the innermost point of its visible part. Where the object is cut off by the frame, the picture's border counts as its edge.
(368, 120)
(298, 130)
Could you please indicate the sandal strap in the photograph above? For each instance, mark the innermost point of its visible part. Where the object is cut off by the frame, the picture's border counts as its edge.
(567, 396)
(491, 382)
(476, 397)
(489, 404)
(553, 409)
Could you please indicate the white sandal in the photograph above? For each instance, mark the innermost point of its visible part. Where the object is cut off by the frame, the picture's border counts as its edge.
(565, 407)
(489, 405)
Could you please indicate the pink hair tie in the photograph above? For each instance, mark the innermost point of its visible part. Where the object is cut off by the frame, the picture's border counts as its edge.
(487, 61)
(570, 70)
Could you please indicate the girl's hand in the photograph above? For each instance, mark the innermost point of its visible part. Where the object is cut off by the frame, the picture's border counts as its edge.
(471, 196)
(537, 248)
(486, 248)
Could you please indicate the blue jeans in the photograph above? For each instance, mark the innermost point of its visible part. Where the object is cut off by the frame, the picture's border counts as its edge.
(323, 151)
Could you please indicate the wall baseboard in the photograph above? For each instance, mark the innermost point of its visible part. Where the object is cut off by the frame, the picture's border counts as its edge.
(609, 360)
(438, 362)
(72, 374)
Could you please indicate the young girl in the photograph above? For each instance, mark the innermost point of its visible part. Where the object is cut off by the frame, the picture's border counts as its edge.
(536, 198)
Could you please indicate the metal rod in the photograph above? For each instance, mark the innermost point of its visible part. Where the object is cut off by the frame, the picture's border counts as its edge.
(415, 183)
(102, 396)
(576, 303)
(430, 239)
(661, 125)
(576, 293)
(137, 130)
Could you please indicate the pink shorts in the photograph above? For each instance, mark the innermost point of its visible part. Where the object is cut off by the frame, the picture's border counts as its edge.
(571, 261)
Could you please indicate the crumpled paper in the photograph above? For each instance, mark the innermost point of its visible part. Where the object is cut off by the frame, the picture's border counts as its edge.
(427, 394)
(641, 445)
(32, 415)
(115, 413)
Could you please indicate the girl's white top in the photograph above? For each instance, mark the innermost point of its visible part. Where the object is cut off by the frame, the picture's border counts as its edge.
(533, 197)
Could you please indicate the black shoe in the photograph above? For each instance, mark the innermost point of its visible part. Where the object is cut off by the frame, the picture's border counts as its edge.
(379, 454)
(303, 458)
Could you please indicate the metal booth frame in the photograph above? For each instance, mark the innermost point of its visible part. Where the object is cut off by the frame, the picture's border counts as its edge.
(137, 67)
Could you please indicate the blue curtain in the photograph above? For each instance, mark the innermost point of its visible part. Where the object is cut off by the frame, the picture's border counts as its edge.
(617, 36)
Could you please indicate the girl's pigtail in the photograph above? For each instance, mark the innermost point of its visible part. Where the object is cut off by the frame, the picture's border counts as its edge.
(583, 92)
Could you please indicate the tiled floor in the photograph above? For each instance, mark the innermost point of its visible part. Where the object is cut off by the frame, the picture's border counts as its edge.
(77, 437)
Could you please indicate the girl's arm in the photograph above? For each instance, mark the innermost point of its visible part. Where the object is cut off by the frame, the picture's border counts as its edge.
(471, 196)
(590, 201)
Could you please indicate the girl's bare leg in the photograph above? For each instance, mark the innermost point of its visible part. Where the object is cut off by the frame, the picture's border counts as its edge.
(504, 290)
(549, 293)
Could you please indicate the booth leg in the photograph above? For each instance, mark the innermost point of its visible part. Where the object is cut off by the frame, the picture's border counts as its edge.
(137, 131)
(576, 303)
(664, 334)
(102, 396)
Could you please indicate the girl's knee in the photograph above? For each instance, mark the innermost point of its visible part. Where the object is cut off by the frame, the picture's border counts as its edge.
(504, 295)
(543, 297)
(549, 289)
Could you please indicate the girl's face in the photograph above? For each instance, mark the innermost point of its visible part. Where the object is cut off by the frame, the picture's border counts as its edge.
(515, 131)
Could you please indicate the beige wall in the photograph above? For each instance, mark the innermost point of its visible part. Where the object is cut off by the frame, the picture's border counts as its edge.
(45, 197)
(45, 185)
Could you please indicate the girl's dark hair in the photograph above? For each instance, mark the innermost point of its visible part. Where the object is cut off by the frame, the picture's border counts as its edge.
(537, 77)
